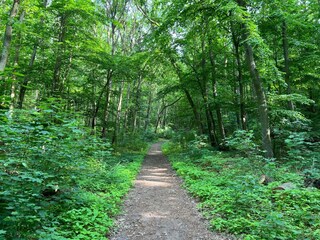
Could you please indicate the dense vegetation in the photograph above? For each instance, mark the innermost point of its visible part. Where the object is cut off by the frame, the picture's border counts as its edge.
(232, 196)
(85, 84)
(58, 181)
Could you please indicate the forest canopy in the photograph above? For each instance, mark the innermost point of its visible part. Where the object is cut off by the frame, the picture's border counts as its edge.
(90, 79)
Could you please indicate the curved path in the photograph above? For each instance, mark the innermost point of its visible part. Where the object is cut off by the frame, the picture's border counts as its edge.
(158, 208)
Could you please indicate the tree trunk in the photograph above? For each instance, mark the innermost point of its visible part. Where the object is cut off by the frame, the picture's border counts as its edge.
(15, 65)
(209, 116)
(262, 101)
(243, 114)
(163, 110)
(96, 106)
(137, 107)
(23, 87)
(106, 106)
(195, 111)
(285, 47)
(118, 115)
(147, 122)
(158, 119)
(8, 35)
(204, 92)
(126, 113)
(211, 127)
(215, 93)
(57, 85)
(260, 93)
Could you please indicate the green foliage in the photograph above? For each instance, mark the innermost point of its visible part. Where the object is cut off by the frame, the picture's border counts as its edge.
(58, 181)
(234, 201)
(243, 141)
(166, 133)
(135, 142)
(117, 66)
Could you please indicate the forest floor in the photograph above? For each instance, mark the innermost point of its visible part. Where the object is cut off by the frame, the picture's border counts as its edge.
(158, 208)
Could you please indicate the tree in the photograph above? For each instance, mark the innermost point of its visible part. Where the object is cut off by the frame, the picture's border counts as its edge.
(8, 35)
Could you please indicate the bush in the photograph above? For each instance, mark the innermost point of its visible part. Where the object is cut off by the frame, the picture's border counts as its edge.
(234, 201)
(243, 141)
(58, 181)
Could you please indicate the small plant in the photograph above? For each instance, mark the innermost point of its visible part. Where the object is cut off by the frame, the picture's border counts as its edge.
(58, 181)
(234, 201)
(243, 141)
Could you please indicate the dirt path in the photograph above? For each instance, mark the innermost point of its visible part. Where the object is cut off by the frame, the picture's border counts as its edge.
(158, 208)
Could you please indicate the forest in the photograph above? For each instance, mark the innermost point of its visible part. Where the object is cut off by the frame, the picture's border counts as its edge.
(231, 86)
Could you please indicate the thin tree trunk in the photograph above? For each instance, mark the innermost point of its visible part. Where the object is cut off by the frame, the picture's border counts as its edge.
(285, 46)
(243, 114)
(57, 85)
(137, 107)
(158, 117)
(126, 113)
(96, 106)
(118, 115)
(209, 117)
(164, 118)
(147, 122)
(195, 111)
(262, 101)
(67, 70)
(259, 90)
(8, 35)
(205, 96)
(189, 98)
(23, 87)
(163, 110)
(16, 63)
(106, 106)
(203, 90)
(215, 93)
(211, 127)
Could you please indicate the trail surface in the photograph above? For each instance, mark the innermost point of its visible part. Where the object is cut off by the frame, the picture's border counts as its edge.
(158, 208)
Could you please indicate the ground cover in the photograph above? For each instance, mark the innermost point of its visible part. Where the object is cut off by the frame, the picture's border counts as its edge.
(233, 199)
(58, 181)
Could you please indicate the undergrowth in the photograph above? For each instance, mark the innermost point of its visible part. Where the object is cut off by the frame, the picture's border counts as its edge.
(57, 181)
(231, 197)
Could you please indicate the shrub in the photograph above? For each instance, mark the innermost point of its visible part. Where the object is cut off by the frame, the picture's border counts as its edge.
(234, 201)
(58, 181)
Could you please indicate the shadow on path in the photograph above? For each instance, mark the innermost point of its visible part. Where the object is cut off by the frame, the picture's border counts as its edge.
(158, 208)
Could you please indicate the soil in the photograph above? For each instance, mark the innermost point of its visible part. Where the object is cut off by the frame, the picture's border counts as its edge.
(158, 208)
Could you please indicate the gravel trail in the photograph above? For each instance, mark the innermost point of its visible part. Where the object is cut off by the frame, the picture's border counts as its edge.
(158, 208)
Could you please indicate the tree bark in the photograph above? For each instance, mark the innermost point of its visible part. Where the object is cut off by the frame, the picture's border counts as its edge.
(8, 35)
(23, 87)
(126, 113)
(259, 90)
(106, 106)
(147, 121)
(204, 92)
(243, 114)
(15, 65)
(262, 101)
(163, 109)
(118, 115)
(195, 111)
(215, 93)
(285, 47)
(137, 106)
(57, 85)
(189, 98)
